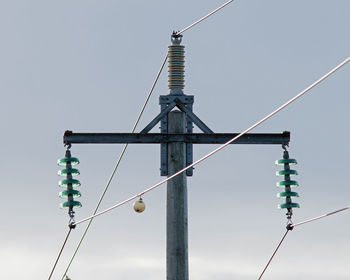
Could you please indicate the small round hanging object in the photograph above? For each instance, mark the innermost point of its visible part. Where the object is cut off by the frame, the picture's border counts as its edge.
(139, 206)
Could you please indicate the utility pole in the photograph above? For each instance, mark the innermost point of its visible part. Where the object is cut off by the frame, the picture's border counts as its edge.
(176, 224)
(177, 234)
(176, 140)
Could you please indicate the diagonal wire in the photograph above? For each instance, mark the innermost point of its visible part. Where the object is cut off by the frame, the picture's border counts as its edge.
(205, 17)
(274, 253)
(291, 226)
(224, 145)
(117, 164)
(320, 217)
(59, 254)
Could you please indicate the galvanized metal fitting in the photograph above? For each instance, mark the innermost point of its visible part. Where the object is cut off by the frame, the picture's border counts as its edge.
(290, 227)
(72, 225)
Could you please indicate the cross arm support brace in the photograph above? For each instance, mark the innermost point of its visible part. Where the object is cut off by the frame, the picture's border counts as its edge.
(156, 138)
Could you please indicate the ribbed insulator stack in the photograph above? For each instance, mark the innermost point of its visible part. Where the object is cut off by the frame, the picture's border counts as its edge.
(69, 182)
(176, 58)
(287, 183)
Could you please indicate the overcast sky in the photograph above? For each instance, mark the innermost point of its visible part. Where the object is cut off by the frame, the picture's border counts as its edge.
(87, 66)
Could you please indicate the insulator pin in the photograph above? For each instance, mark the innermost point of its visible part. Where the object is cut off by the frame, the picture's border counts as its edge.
(290, 183)
(288, 205)
(286, 172)
(67, 182)
(286, 160)
(70, 160)
(70, 204)
(66, 193)
(286, 194)
(71, 171)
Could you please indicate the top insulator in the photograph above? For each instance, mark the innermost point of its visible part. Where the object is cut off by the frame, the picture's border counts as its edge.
(176, 56)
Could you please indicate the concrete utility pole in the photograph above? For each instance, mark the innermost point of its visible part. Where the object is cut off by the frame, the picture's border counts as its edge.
(176, 226)
(177, 234)
(176, 140)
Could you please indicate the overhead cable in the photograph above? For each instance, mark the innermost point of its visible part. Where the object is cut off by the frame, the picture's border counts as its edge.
(274, 253)
(117, 164)
(59, 254)
(224, 145)
(320, 217)
(291, 227)
(205, 17)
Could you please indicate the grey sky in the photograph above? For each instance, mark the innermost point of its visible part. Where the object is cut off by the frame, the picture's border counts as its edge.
(87, 66)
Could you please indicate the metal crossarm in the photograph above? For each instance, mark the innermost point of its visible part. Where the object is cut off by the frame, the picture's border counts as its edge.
(193, 138)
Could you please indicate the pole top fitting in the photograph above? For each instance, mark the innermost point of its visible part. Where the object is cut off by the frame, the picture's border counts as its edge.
(176, 38)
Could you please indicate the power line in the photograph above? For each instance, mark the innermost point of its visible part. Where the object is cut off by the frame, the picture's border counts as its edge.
(59, 254)
(117, 164)
(224, 145)
(205, 17)
(291, 226)
(320, 217)
(274, 253)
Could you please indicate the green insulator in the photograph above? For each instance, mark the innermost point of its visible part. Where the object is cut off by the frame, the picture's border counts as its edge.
(290, 183)
(66, 193)
(288, 205)
(71, 171)
(71, 203)
(66, 182)
(286, 160)
(287, 194)
(65, 160)
(286, 172)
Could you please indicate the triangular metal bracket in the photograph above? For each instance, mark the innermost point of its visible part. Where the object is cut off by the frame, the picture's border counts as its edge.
(185, 104)
(192, 116)
(163, 113)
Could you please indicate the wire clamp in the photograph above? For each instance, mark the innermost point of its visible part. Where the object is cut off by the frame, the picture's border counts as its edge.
(72, 225)
(290, 226)
(176, 34)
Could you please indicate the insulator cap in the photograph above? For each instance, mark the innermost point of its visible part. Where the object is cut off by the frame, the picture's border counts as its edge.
(288, 205)
(290, 183)
(287, 194)
(286, 160)
(66, 182)
(70, 171)
(139, 206)
(69, 160)
(66, 193)
(70, 203)
(286, 172)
